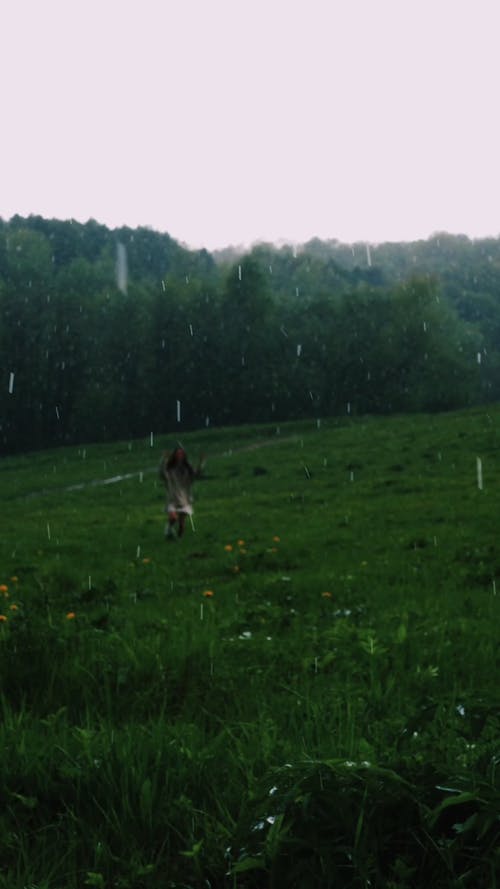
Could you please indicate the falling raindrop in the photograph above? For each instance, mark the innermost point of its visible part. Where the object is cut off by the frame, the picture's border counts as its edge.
(121, 267)
(178, 411)
(191, 329)
(299, 350)
(48, 531)
(479, 468)
(163, 285)
(11, 383)
(151, 439)
(348, 407)
(57, 413)
(138, 552)
(368, 255)
(479, 357)
(239, 273)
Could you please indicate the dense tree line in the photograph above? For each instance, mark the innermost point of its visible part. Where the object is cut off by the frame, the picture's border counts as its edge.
(196, 339)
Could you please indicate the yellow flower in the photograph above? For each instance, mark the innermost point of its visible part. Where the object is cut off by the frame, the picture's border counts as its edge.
(208, 593)
(3, 588)
(70, 615)
(241, 543)
(14, 579)
(3, 618)
(276, 538)
(13, 607)
(228, 547)
(326, 595)
(145, 561)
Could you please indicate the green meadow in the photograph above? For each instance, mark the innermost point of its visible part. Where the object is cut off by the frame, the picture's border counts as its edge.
(302, 692)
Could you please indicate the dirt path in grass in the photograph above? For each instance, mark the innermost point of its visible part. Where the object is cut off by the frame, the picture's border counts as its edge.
(100, 482)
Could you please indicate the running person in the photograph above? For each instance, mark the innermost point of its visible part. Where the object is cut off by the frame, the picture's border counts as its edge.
(178, 475)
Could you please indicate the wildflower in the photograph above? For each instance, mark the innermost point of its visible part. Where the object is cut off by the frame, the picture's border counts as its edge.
(208, 594)
(228, 547)
(70, 615)
(276, 538)
(2, 618)
(3, 588)
(13, 607)
(146, 561)
(14, 579)
(242, 550)
(241, 543)
(326, 595)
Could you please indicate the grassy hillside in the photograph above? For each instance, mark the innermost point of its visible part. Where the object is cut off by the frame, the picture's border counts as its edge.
(302, 692)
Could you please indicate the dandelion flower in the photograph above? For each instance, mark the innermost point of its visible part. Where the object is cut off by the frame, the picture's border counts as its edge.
(14, 579)
(13, 607)
(70, 615)
(241, 543)
(3, 588)
(326, 595)
(228, 547)
(208, 594)
(2, 618)
(276, 538)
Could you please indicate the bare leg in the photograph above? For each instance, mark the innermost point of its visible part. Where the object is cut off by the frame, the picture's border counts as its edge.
(170, 527)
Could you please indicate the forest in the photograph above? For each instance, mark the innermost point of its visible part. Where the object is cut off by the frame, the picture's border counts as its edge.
(112, 334)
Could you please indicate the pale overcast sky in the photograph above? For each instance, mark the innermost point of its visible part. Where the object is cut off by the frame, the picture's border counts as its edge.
(229, 121)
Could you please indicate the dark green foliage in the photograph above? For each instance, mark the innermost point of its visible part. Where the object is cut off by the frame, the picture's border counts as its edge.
(279, 334)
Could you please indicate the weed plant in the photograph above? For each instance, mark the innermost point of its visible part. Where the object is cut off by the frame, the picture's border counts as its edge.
(302, 692)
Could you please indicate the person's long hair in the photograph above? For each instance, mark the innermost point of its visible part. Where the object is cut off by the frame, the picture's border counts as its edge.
(178, 457)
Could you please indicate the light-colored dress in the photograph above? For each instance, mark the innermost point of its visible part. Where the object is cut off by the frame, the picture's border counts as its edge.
(179, 481)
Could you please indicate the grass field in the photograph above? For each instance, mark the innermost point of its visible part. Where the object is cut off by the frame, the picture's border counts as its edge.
(303, 692)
